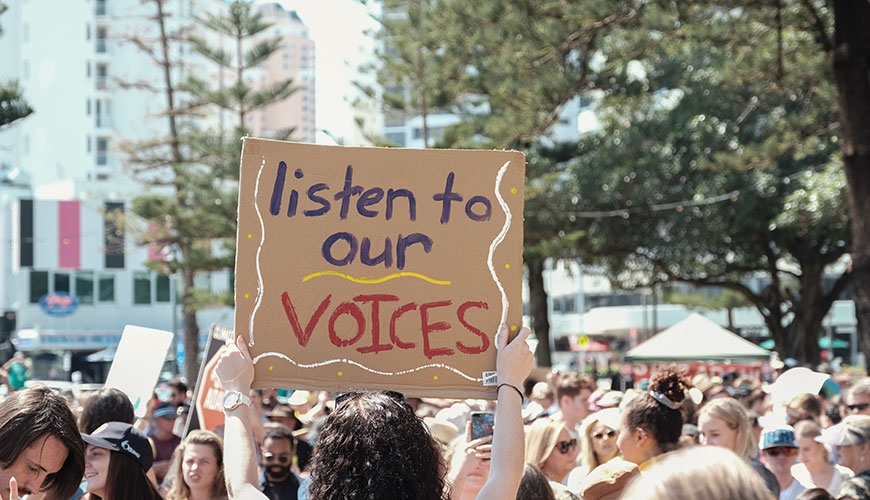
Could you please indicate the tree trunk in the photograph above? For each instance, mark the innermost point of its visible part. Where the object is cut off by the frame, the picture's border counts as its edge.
(191, 331)
(850, 63)
(538, 310)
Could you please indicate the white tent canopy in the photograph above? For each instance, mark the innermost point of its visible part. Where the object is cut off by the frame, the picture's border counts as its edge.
(696, 338)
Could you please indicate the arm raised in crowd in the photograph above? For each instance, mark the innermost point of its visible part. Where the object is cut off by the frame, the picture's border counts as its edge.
(514, 362)
(235, 369)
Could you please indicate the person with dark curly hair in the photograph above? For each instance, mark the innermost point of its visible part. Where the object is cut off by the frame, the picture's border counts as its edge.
(652, 422)
(373, 446)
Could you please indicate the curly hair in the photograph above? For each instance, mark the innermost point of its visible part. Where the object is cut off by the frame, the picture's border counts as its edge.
(180, 490)
(373, 444)
(664, 424)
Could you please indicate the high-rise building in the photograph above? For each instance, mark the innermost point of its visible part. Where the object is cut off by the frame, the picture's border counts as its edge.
(295, 60)
(64, 173)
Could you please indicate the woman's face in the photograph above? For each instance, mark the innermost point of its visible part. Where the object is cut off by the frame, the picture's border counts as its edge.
(96, 469)
(603, 442)
(626, 442)
(199, 466)
(812, 453)
(560, 461)
(714, 431)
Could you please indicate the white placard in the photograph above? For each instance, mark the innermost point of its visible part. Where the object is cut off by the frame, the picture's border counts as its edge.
(137, 364)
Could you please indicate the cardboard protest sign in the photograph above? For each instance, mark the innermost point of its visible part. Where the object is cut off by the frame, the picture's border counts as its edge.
(207, 410)
(375, 268)
(137, 364)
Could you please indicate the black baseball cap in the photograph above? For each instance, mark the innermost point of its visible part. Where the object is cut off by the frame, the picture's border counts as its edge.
(123, 438)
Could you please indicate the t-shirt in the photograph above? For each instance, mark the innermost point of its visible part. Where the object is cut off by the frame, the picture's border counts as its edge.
(793, 490)
(800, 472)
(17, 376)
(285, 490)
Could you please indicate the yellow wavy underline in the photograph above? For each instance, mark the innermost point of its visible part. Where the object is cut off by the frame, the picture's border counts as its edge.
(374, 281)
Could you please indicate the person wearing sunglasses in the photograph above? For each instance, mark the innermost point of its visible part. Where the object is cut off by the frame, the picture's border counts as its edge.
(851, 439)
(402, 460)
(598, 434)
(551, 448)
(858, 398)
(779, 447)
(278, 479)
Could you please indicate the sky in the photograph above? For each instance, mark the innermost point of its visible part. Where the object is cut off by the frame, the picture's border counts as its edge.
(337, 28)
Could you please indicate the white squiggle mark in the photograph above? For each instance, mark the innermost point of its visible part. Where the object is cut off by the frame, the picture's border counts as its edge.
(257, 260)
(366, 368)
(499, 239)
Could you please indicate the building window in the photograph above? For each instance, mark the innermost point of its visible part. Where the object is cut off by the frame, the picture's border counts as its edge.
(141, 287)
(85, 287)
(100, 7)
(107, 288)
(62, 282)
(102, 151)
(101, 40)
(38, 285)
(102, 76)
(164, 288)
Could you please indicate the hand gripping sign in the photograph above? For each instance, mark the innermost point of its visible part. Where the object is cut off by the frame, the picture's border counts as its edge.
(375, 268)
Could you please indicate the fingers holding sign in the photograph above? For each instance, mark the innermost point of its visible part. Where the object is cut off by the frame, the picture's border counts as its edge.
(235, 369)
(515, 359)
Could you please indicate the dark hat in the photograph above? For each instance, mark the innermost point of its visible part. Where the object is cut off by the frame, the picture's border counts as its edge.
(283, 410)
(123, 438)
(165, 410)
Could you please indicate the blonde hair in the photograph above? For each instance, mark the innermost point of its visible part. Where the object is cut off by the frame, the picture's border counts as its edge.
(179, 489)
(734, 415)
(541, 437)
(686, 474)
(587, 457)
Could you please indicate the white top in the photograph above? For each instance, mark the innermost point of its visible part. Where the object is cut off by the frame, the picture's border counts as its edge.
(793, 490)
(841, 474)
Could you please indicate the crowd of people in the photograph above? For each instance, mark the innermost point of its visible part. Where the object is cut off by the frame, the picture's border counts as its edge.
(798, 437)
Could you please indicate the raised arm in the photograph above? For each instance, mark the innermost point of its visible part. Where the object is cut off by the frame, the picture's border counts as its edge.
(235, 370)
(514, 362)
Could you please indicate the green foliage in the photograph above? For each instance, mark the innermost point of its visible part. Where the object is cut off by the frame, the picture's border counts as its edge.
(13, 107)
(717, 158)
(246, 30)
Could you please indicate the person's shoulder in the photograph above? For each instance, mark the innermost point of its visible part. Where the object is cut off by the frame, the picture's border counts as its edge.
(857, 486)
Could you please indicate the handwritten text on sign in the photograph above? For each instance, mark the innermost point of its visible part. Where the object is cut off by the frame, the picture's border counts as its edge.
(377, 268)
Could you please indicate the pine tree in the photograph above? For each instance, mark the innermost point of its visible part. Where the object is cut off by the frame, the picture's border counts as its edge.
(13, 107)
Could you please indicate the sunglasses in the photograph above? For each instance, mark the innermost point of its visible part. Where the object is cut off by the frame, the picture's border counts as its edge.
(566, 446)
(781, 450)
(341, 398)
(283, 458)
(609, 433)
(858, 407)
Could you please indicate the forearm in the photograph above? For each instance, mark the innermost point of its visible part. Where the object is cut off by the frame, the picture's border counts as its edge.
(240, 464)
(508, 446)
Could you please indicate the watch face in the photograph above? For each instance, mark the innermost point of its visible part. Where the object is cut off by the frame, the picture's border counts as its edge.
(231, 400)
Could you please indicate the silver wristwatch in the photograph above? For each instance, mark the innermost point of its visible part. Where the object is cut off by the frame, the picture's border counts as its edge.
(234, 399)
